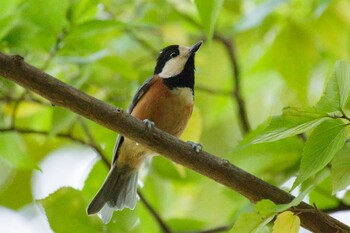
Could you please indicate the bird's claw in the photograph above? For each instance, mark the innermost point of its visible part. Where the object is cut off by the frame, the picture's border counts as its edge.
(196, 146)
(149, 124)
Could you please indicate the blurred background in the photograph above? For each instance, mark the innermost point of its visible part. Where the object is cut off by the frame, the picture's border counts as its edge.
(259, 55)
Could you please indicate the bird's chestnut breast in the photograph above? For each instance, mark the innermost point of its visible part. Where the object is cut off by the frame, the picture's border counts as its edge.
(168, 109)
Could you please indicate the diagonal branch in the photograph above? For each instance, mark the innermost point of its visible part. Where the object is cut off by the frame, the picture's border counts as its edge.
(15, 69)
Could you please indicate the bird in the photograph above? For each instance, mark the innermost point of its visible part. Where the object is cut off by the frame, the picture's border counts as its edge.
(165, 100)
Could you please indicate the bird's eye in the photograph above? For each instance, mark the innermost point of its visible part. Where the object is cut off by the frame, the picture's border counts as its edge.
(172, 55)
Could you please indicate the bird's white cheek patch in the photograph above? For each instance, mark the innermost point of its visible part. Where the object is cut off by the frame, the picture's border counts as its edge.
(173, 67)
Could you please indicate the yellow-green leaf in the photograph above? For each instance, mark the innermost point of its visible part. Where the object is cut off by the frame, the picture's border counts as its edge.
(286, 222)
(337, 89)
(293, 121)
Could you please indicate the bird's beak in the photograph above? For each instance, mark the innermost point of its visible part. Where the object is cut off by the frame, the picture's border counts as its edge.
(193, 49)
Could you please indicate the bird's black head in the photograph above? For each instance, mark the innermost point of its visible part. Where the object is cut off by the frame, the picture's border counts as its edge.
(175, 64)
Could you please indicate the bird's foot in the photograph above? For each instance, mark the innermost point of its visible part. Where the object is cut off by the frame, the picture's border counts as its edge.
(196, 146)
(148, 123)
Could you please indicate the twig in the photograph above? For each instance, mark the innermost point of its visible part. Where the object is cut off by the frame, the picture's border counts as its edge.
(237, 94)
(15, 69)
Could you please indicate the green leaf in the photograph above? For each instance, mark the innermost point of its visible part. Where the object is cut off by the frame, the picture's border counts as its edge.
(286, 222)
(326, 140)
(265, 207)
(67, 206)
(263, 213)
(166, 169)
(322, 195)
(95, 179)
(65, 210)
(13, 150)
(50, 15)
(340, 172)
(337, 90)
(273, 162)
(5, 172)
(82, 10)
(209, 11)
(241, 226)
(308, 186)
(17, 191)
(61, 120)
(293, 121)
(6, 24)
(346, 198)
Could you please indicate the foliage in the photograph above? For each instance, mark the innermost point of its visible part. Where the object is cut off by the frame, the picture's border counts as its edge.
(286, 222)
(283, 53)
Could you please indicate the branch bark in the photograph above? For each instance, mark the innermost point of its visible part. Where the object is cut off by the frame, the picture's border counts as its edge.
(15, 69)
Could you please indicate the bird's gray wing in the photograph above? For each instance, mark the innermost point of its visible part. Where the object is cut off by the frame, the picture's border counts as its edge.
(140, 92)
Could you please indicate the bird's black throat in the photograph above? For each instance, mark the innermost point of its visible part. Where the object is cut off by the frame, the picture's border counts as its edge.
(185, 78)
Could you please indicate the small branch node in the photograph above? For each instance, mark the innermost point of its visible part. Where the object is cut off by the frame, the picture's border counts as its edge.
(17, 59)
(225, 163)
(119, 111)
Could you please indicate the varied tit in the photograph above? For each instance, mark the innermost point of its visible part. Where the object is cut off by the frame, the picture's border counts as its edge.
(164, 100)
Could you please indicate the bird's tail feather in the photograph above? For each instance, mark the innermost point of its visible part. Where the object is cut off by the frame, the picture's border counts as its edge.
(117, 192)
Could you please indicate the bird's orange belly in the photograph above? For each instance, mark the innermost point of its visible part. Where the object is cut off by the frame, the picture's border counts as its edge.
(170, 110)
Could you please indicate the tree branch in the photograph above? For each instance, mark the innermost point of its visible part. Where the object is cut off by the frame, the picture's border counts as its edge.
(220, 170)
